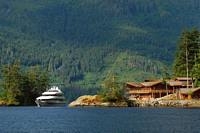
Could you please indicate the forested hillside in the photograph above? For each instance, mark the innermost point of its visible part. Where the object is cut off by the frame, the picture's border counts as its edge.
(82, 41)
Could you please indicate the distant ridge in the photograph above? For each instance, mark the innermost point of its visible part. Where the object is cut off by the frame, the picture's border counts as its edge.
(81, 42)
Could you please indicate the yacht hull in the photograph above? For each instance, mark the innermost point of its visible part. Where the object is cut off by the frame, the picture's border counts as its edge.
(50, 104)
(51, 98)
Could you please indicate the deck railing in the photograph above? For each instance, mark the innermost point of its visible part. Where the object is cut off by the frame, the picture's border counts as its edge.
(150, 91)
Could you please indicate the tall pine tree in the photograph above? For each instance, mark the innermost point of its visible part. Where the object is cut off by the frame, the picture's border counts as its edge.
(21, 87)
(11, 83)
(187, 51)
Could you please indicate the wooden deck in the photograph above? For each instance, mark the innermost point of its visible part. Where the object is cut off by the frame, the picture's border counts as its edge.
(149, 91)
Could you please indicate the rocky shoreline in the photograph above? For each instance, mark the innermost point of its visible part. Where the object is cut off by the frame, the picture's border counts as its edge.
(2, 103)
(96, 101)
(169, 103)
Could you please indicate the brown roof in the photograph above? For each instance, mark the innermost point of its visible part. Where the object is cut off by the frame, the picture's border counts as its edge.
(150, 80)
(144, 84)
(175, 83)
(147, 84)
(134, 84)
(183, 78)
(190, 90)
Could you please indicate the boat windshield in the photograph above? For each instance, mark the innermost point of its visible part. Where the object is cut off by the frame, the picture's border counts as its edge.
(58, 94)
(53, 91)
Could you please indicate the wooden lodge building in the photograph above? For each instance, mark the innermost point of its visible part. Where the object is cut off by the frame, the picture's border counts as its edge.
(192, 93)
(151, 89)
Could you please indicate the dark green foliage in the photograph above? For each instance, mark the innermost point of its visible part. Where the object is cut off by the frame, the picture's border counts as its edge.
(80, 42)
(130, 24)
(112, 90)
(34, 82)
(11, 83)
(196, 71)
(196, 75)
(189, 46)
(22, 87)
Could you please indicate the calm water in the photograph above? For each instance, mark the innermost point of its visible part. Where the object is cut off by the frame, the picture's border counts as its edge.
(99, 120)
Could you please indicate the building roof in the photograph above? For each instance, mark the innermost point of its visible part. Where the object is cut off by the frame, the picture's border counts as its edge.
(148, 84)
(174, 83)
(183, 78)
(144, 84)
(180, 81)
(188, 91)
(134, 84)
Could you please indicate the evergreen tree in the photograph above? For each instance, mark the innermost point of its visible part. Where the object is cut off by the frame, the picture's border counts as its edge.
(11, 79)
(33, 84)
(196, 71)
(187, 51)
(22, 87)
(112, 90)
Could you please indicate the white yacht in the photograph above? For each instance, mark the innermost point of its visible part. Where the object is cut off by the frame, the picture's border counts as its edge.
(52, 97)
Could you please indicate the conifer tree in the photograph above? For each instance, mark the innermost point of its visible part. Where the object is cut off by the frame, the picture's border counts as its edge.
(196, 71)
(22, 87)
(112, 90)
(187, 52)
(11, 79)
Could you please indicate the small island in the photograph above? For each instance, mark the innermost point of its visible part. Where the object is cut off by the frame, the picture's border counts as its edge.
(95, 100)
(145, 94)
(111, 95)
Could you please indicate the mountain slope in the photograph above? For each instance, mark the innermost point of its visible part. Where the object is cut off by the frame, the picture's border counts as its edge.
(80, 42)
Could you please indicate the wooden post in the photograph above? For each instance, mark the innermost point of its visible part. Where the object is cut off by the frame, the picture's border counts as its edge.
(177, 93)
(166, 87)
(189, 97)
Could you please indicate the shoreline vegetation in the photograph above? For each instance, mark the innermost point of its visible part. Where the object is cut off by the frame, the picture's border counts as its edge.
(78, 44)
(21, 87)
(96, 101)
(186, 64)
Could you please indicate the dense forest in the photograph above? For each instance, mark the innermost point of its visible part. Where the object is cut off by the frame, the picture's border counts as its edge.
(81, 42)
(187, 61)
(22, 87)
